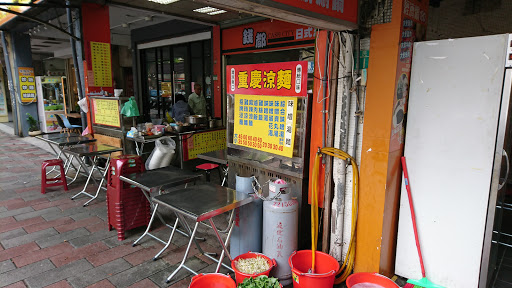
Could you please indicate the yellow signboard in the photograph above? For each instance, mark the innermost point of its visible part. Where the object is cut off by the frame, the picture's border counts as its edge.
(27, 84)
(101, 64)
(265, 123)
(106, 112)
(205, 142)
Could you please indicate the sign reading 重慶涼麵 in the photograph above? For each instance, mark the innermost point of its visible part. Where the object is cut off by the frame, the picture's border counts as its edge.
(106, 112)
(277, 79)
(101, 64)
(27, 84)
(265, 123)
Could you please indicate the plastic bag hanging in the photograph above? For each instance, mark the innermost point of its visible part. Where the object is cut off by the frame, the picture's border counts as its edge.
(130, 108)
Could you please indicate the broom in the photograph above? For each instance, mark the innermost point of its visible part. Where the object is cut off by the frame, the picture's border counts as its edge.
(423, 282)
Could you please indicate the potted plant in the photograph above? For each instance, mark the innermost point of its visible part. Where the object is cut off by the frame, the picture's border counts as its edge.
(33, 128)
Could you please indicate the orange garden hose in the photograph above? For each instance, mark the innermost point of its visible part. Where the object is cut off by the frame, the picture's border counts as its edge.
(347, 267)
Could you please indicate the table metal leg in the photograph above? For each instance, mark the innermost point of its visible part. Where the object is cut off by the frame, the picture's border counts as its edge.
(100, 186)
(169, 241)
(224, 249)
(82, 164)
(182, 264)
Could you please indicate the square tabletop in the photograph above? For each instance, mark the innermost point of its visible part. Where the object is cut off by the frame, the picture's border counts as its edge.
(219, 156)
(91, 149)
(49, 136)
(202, 202)
(66, 140)
(161, 178)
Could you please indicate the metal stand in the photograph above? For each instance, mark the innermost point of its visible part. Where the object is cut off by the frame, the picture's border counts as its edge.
(93, 168)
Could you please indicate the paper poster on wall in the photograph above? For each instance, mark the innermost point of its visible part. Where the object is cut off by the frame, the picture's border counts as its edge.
(265, 123)
(27, 84)
(3, 100)
(106, 112)
(101, 64)
(204, 142)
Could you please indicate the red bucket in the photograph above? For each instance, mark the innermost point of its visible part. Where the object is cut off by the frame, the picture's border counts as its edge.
(213, 280)
(241, 276)
(325, 269)
(370, 278)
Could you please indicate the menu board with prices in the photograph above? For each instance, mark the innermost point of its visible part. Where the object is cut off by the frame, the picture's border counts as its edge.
(27, 84)
(101, 64)
(203, 142)
(265, 123)
(106, 112)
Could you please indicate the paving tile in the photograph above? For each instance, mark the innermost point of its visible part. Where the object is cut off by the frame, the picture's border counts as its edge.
(111, 254)
(19, 284)
(12, 234)
(36, 213)
(17, 251)
(160, 277)
(99, 273)
(79, 253)
(52, 204)
(184, 283)
(102, 226)
(93, 238)
(102, 284)
(18, 224)
(28, 189)
(60, 213)
(60, 284)
(7, 220)
(26, 272)
(6, 266)
(28, 238)
(3, 209)
(138, 273)
(26, 203)
(143, 255)
(41, 254)
(78, 224)
(146, 283)
(16, 212)
(57, 274)
(62, 237)
(48, 224)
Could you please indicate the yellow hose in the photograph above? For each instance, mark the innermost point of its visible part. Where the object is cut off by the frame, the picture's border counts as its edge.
(348, 264)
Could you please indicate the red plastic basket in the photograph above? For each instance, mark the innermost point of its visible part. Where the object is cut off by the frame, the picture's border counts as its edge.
(373, 278)
(214, 280)
(241, 276)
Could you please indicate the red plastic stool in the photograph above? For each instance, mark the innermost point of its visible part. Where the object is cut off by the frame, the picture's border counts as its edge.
(208, 167)
(57, 181)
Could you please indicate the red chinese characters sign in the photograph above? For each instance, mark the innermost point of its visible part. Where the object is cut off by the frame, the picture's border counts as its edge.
(340, 9)
(278, 79)
(268, 34)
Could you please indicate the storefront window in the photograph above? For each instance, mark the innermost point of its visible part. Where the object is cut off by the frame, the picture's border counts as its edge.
(173, 70)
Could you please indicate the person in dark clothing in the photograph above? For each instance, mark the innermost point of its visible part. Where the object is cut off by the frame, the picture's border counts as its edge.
(180, 109)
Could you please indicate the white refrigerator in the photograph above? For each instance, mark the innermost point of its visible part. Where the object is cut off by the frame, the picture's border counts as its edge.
(456, 128)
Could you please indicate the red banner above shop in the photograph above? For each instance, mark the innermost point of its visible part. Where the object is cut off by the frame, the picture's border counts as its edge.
(341, 9)
(268, 34)
(278, 79)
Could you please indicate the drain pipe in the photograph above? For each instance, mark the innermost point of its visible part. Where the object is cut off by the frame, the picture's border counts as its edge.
(75, 63)
(11, 84)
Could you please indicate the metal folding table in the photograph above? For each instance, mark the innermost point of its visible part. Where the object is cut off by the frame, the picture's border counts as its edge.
(64, 140)
(201, 203)
(92, 151)
(157, 180)
(141, 140)
(219, 157)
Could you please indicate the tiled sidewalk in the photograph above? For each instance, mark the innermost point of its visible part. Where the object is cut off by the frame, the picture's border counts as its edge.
(49, 240)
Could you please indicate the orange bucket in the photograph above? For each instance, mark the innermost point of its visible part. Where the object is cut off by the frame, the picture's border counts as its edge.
(371, 279)
(325, 269)
(239, 276)
(213, 280)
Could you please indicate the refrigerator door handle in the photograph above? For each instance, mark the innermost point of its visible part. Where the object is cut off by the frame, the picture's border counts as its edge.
(508, 169)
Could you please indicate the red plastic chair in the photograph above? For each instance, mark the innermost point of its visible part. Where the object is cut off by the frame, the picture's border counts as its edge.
(51, 182)
(207, 168)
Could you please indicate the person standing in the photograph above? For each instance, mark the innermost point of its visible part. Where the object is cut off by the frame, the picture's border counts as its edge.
(196, 101)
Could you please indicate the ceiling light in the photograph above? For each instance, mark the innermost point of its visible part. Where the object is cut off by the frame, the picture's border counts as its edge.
(164, 1)
(206, 9)
(148, 18)
(124, 25)
(217, 12)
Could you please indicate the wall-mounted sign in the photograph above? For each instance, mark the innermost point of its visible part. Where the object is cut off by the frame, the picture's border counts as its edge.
(101, 65)
(27, 84)
(265, 123)
(203, 142)
(278, 79)
(106, 112)
(266, 34)
(340, 9)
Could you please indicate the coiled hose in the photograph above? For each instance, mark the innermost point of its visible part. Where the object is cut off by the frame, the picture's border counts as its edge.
(348, 264)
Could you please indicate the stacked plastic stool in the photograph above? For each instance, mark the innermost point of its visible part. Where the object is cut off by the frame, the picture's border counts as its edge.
(127, 206)
(56, 181)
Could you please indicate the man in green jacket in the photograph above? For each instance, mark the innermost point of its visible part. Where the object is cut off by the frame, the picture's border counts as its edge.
(196, 101)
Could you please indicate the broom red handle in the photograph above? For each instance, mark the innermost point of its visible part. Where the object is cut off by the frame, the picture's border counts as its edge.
(413, 216)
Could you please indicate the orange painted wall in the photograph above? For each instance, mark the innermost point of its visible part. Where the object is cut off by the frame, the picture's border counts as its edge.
(317, 115)
(375, 156)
